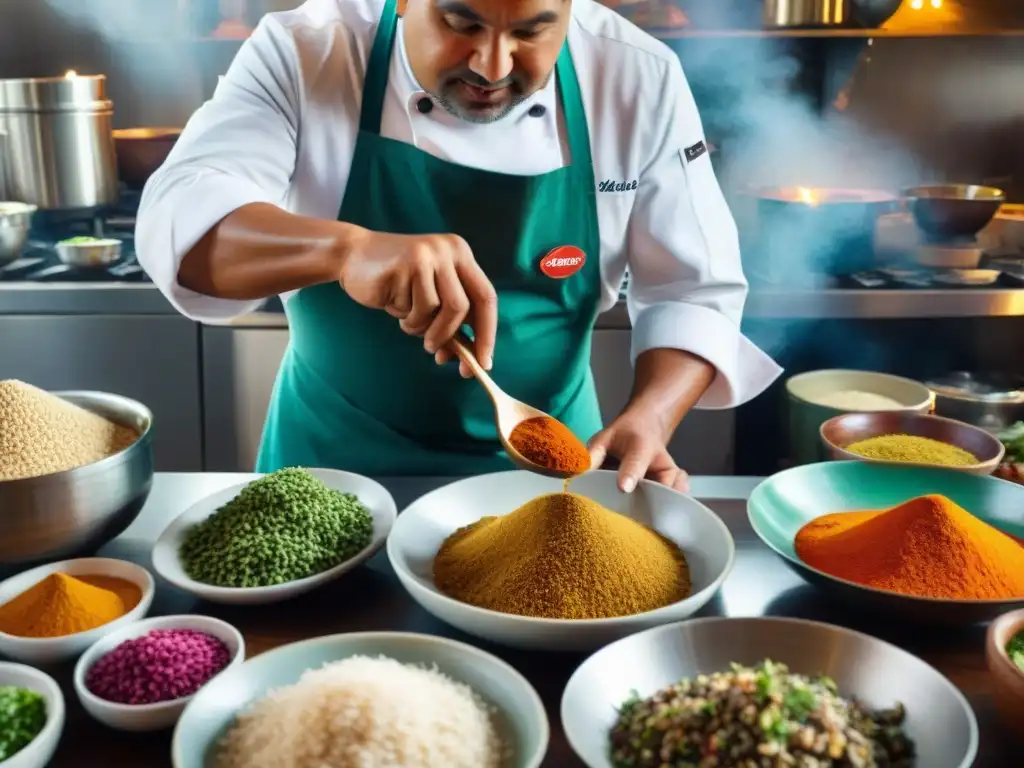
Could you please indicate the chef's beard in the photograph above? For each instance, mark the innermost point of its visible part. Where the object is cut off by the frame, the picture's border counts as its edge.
(518, 89)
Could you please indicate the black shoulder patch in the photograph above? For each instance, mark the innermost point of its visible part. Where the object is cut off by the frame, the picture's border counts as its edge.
(692, 153)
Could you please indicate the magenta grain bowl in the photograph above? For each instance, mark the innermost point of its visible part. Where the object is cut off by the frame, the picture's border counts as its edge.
(141, 677)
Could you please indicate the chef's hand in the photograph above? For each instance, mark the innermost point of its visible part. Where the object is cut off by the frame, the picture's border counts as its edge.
(430, 283)
(634, 439)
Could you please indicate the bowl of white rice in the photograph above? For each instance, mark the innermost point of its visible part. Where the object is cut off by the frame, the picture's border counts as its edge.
(371, 698)
(816, 397)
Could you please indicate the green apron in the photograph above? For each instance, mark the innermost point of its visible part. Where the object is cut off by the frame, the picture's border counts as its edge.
(354, 392)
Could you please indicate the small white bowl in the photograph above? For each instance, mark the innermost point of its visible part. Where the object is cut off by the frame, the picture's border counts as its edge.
(164, 714)
(40, 750)
(51, 650)
(373, 496)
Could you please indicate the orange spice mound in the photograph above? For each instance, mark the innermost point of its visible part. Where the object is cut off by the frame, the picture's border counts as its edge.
(549, 443)
(926, 547)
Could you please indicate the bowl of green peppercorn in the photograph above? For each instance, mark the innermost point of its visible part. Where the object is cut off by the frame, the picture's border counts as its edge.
(281, 535)
(31, 716)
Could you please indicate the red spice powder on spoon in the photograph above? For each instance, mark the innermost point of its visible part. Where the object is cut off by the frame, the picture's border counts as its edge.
(549, 443)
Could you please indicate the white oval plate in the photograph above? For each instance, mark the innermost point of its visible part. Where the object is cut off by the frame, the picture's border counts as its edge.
(372, 494)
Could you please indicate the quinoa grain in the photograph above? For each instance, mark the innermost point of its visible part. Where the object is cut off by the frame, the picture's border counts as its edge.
(41, 434)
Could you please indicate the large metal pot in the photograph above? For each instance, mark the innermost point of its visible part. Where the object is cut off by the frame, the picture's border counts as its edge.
(59, 153)
(805, 231)
(75, 512)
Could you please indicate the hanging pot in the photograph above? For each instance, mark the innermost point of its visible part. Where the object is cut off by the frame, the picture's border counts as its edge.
(873, 13)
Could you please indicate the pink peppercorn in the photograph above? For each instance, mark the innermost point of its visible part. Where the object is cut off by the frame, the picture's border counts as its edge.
(162, 665)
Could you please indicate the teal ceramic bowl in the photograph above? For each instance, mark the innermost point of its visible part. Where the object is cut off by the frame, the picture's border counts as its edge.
(783, 503)
(521, 719)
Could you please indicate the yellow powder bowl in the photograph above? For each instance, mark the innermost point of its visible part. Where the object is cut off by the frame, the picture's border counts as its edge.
(53, 650)
(427, 523)
(841, 432)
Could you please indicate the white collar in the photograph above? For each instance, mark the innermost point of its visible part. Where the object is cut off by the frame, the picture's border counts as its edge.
(546, 97)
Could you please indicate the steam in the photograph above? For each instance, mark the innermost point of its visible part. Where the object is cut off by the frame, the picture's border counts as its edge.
(772, 133)
(154, 80)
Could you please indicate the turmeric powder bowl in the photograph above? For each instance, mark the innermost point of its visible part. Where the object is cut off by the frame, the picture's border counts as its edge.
(783, 504)
(426, 525)
(102, 593)
(912, 438)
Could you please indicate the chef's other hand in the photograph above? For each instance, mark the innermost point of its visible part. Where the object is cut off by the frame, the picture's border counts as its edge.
(430, 283)
(635, 441)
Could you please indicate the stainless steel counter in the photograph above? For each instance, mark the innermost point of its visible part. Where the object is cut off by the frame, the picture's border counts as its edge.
(371, 599)
(113, 298)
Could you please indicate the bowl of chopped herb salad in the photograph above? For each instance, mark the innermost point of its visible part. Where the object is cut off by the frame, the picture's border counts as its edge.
(764, 691)
(282, 534)
(31, 716)
(1004, 653)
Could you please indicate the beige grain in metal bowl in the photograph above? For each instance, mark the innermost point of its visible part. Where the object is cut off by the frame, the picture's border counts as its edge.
(75, 512)
(810, 403)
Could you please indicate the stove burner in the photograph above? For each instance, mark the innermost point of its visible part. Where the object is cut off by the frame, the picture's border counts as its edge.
(39, 262)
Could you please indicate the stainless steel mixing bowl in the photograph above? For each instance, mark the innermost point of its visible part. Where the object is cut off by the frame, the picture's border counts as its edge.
(939, 718)
(15, 222)
(75, 512)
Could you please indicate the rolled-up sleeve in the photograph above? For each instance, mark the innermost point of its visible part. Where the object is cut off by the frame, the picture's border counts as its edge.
(686, 284)
(238, 148)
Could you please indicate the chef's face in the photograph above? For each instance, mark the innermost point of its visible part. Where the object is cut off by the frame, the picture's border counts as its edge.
(480, 58)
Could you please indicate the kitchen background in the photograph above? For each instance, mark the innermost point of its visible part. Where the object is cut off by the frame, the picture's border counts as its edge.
(848, 101)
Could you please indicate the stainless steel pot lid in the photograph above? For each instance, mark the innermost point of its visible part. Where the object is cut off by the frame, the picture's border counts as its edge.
(988, 387)
(71, 92)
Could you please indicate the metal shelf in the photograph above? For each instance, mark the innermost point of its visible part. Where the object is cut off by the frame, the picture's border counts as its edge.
(847, 33)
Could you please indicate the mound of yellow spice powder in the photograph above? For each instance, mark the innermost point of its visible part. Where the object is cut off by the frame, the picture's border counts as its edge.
(62, 605)
(562, 556)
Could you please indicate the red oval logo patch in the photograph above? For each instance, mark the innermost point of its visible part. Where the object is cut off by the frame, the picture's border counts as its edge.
(563, 261)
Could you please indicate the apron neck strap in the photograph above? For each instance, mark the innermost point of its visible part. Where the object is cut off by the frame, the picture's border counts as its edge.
(375, 86)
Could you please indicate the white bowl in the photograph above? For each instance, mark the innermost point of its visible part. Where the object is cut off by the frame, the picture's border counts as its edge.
(149, 717)
(40, 750)
(51, 650)
(423, 527)
(373, 496)
(521, 719)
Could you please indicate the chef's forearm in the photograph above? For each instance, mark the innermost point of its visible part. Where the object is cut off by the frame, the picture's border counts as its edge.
(260, 250)
(667, 383)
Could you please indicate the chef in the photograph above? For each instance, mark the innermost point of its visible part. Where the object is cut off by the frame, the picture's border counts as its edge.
(493, 165)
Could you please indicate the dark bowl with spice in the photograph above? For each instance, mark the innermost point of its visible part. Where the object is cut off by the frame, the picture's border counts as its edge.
(1004, 653)
(914, 439)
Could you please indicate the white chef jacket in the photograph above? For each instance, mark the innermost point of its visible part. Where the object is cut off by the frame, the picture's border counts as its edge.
(282, 125)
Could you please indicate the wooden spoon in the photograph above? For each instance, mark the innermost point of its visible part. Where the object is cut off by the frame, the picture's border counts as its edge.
(508, 412)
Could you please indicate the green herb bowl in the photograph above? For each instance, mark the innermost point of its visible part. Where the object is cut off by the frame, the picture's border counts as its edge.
(781, 505)
(39, 752)
(840, 432)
